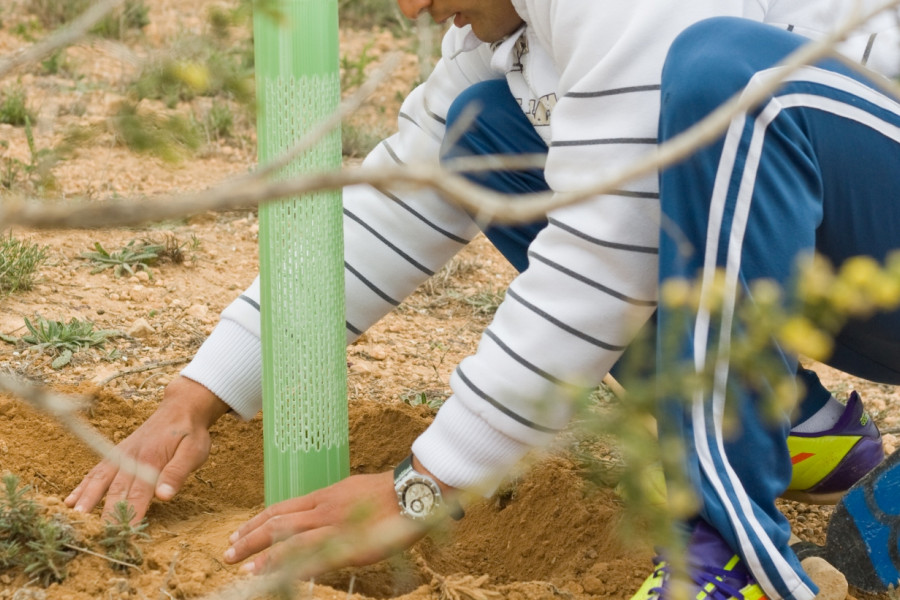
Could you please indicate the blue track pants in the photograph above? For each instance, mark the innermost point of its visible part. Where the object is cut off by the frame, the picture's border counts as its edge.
(816, 167)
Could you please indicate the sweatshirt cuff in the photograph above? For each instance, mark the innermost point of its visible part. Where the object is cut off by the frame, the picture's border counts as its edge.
(463, 451)
(229, 364)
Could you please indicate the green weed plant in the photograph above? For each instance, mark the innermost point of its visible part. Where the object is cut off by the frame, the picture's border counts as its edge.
(19, 264)
(37, 172)
(121, 536)
(14, 107)
(133, 15)
(368, 14)
(128, 260)
(433, 399)
(62, 339)
(353, 70)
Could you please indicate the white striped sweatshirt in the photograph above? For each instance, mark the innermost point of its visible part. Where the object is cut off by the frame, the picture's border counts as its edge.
(587, 73)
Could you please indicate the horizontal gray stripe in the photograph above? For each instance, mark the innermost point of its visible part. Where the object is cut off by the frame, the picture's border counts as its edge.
(521, 360)
(434, 116)
(392, 153)
(567, 328)
(249, 301)
(425, 220)
(506, 411)
(615, 92)
(371, 285)
(594, 284)
(603, 142)
(634, 194)
(387, 243)
(604, 243)
(403, 115)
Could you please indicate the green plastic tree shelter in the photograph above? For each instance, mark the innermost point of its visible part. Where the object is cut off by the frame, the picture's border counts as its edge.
(301, 252)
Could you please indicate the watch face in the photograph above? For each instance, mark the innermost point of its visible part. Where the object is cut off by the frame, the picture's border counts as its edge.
(419, 499)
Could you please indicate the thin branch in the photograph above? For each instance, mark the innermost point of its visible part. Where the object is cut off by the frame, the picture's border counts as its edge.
(485, 204)
(104, 557)
(142, 368)
(61, 38)
(63, 408)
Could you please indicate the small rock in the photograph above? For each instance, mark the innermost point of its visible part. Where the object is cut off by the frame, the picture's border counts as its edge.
(592, 585)
(143, 275)
(139, 293)
(140, 328)
(376, 352)
(198, 311)
(832, 583)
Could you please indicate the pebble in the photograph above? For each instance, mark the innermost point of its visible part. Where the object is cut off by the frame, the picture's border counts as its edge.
(139, 293)
(198, 311)
(140, 328)
(832, 583)
(376, 352)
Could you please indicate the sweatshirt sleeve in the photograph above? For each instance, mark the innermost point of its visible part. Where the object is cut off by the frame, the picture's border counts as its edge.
(393, 240)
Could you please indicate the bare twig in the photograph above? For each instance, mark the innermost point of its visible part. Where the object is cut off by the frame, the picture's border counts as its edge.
(170, 576)
(63, 409)
(104, 557)
(142, 368)
(485, 204)
(64, 36)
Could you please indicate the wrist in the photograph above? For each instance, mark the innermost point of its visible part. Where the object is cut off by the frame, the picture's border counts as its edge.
(194, 401)
(421, 495)
(446, 490)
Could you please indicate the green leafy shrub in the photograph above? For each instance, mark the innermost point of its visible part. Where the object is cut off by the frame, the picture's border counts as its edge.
(42, 545)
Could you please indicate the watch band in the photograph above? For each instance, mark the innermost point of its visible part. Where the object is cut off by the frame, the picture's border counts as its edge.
(402, 470)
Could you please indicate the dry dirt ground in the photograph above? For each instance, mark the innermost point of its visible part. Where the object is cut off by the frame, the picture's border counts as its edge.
(549, 534)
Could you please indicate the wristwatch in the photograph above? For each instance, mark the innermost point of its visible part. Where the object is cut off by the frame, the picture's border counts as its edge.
(419, 495)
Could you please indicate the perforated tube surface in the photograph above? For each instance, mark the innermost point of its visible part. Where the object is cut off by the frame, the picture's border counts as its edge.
(301, 254)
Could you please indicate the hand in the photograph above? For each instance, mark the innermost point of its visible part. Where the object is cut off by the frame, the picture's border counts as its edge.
(353, 522)
(174, 441)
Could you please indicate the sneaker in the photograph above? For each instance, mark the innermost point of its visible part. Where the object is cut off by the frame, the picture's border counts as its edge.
(827, 463)
(717, 572)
